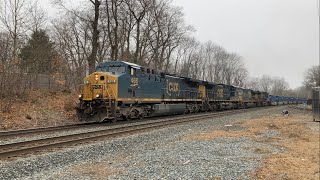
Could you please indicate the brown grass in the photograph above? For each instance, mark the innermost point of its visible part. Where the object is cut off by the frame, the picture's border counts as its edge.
(70, 104)
(217, 134)
(39, 108)
(301, 160)
(302, 157)
(258, 150)
(95, 171)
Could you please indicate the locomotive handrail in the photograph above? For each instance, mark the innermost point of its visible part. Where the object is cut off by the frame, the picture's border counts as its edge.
(114, 96)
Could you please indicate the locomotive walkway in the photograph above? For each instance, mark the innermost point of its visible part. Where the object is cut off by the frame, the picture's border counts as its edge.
(20, 149)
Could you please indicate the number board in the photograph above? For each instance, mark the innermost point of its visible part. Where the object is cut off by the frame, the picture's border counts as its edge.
(97, 86)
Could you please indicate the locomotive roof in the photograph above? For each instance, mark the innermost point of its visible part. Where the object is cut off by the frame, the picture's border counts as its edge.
(123, 62)
(132, 64)
(176, 77)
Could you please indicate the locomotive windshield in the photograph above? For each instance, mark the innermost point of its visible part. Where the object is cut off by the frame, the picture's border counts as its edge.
(117, 69)
(112, 69)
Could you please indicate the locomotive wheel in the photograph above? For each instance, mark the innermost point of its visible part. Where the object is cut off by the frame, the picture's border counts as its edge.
(141, 116)
(194, 108)
(197, 108)
(134, 114)
(206, 107)
(245, 105)
(114, 120)
(123, 117)
(128, 118)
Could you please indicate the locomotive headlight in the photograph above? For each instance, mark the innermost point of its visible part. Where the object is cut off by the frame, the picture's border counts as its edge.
(80, 95)
(98, 95)
(97, 77)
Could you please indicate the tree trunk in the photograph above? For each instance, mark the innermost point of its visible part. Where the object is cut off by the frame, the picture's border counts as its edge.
(95, 36)
(136, 54)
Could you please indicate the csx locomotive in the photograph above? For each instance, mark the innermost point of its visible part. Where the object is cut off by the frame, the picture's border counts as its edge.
(122, 90)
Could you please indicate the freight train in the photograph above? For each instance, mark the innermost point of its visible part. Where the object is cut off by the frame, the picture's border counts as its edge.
(120, 90)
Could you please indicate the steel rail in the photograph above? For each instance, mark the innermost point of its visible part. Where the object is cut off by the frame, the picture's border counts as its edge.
(8, 151)
(73, 127)
(15, 133)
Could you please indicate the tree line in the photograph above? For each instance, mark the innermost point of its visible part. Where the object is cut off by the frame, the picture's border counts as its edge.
(69, 45)
(279, 86)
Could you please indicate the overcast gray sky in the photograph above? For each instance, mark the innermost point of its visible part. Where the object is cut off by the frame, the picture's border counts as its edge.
(274, 37)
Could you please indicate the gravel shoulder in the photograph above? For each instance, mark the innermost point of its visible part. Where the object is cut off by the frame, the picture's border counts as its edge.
(237, 146)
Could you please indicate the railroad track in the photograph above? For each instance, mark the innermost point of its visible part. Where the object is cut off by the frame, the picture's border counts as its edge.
(47, 130)
(55, 129)
(26, 132)
(13, 150)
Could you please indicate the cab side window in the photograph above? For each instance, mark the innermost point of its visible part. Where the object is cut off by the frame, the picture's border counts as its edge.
(148, 72)
(153, 72)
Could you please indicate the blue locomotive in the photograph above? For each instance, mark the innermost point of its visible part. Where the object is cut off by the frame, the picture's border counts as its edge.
(123, 90)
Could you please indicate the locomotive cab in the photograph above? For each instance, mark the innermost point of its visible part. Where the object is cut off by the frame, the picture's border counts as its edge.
(99, 85)
(103, 91)
(99, 93)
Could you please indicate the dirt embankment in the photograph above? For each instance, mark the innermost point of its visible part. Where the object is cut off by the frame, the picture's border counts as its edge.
(297, 135)
(38, 108)
(301, 159)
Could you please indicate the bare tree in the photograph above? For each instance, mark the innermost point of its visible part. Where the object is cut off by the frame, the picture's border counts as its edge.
(13, 23)
(312, 77)
(38, 17)
(302, 92)
(95, 36)
(90, 16)
(240, 76)
(167, 33)
(210, 62)
(253, 83)
(190, 49)
(181, 50)
(273, 85)
(113, 8)
(279, 86)
(13, 16)
(266, 83)
(73, 43)
(220, 56)
(138, 9)
(153, 33)
(5, 49)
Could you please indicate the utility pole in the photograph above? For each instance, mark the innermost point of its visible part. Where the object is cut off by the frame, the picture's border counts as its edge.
(318, 4)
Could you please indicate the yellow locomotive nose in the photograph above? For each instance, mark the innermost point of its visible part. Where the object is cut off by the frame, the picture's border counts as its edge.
(99, 85)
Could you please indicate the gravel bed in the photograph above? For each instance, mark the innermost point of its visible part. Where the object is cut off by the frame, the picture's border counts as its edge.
(269, 134)
(158, 154)
(301, 107)
(104, 126)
